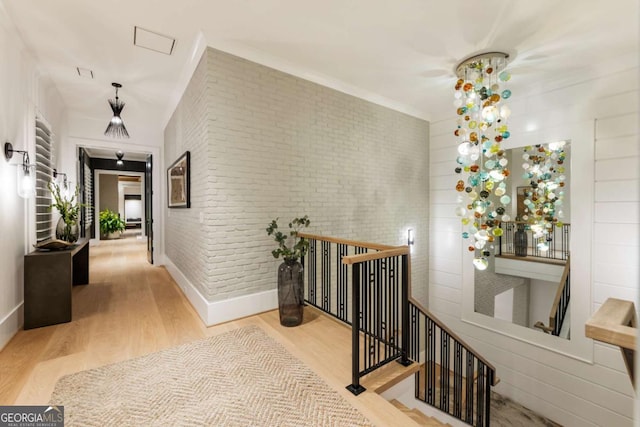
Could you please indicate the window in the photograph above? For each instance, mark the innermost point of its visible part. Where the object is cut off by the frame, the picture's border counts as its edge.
(44, 174)
(88, 194)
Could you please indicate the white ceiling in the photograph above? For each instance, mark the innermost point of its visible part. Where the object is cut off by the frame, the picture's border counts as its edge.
(399, 53)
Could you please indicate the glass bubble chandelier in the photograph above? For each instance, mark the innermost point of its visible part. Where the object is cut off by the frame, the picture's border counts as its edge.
(544, 169)
(480, 102)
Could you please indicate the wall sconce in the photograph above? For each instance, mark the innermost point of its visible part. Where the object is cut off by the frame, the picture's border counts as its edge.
(410, 240)
(26, 178)
(56, 174)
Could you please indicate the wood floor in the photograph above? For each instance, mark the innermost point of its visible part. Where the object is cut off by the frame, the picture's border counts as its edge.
(131, 308)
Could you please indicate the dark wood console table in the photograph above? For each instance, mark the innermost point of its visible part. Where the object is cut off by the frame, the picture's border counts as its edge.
(48, 279)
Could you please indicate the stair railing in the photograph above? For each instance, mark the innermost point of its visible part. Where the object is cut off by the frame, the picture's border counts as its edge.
(455, 378)
(389, 325)
(558, 241)
(382, 308)
(379, 299)
(560, 303)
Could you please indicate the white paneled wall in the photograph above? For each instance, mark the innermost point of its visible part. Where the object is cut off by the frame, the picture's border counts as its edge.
(569, 391)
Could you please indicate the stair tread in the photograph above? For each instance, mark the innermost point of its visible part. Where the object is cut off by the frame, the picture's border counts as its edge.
(417, 416)
(387, 376)
(399, 405)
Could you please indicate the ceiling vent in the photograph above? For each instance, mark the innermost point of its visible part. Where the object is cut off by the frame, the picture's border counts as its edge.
(85, 73)
(153, 41)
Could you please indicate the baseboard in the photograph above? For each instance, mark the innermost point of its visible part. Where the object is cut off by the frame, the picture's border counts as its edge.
(216, 312)
(11, 324)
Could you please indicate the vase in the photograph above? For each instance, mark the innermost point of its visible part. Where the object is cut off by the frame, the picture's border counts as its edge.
(68, 232)
(520, 241)
(290, 292)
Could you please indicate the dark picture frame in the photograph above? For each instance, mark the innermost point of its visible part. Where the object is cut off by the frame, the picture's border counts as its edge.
(179, 182)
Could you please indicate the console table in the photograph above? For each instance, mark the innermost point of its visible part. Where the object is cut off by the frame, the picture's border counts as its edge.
(48, 279)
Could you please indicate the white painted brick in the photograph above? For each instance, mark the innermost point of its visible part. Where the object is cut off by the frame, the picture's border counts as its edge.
(266, 144)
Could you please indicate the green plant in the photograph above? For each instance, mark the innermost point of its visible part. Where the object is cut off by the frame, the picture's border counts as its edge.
(67, 206)
(299, 246)
(110, 222)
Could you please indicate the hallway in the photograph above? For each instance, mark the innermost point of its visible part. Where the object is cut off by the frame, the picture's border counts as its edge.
(131, 308)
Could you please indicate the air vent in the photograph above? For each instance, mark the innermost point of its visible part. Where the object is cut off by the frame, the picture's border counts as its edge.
(153, 41)
(85, 73)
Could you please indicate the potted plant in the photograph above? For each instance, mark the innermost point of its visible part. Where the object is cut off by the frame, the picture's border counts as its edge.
(67, 228)
(111, 225)
(290, 278)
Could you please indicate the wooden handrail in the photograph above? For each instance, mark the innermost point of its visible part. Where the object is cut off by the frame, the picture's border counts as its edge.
(556, 300)
(388, 253)
(375, 246)
(614, 323)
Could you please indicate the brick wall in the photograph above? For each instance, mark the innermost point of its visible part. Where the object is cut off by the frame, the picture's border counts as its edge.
(266, 144)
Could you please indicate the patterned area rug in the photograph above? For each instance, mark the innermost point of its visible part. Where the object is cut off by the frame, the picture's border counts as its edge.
(240, 378)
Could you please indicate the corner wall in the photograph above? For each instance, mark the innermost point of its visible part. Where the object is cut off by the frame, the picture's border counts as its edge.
(265, 144)
(564, 389)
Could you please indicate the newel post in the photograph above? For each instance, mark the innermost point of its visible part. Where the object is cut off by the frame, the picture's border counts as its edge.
(355, 386)
(404, 358)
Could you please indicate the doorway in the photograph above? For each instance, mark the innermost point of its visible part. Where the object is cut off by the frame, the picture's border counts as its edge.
(120, 182)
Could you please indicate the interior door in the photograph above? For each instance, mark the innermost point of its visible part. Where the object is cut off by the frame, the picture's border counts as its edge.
(148, 207)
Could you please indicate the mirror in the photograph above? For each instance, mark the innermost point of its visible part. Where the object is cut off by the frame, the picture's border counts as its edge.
(527, 282)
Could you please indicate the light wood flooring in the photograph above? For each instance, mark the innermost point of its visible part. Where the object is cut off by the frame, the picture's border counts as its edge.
(131, 308)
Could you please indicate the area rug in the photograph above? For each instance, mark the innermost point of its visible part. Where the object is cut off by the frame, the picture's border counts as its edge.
(239, 378)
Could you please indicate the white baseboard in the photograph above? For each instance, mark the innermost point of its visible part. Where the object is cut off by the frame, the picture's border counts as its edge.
(11, 324)
(216, 312)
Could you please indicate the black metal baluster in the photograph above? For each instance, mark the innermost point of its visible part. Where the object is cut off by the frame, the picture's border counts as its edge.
(387, 331)
(378, 304)
(444, 371)
(326, 276)
(480, 390)
(457, 380)
(415, 345)
(430, 391)
(469, 388)
(487, 401)
(341, 277)
(312, 272)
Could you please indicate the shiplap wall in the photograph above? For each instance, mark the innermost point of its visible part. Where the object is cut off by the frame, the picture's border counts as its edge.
(569, 391)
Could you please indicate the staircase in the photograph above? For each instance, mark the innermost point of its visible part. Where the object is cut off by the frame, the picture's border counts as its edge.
(367, 286)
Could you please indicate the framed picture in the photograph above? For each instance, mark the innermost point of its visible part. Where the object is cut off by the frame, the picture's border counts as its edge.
(178, 182)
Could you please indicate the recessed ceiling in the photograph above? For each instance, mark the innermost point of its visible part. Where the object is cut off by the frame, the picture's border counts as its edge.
(400, 54)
